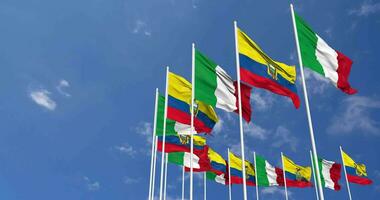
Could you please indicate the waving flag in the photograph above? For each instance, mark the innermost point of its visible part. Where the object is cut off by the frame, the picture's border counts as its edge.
(218, 164)
(237, 171)
(318, 56)
(296, 175)
(177, 143)
(179, 106)
(267, 175)
(330, 173)
(259, 70)
(200, 161)
(217, 178)
(215, 87)
(356, 172)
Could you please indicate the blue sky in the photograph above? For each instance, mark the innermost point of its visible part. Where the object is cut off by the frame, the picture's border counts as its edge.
(77, 88)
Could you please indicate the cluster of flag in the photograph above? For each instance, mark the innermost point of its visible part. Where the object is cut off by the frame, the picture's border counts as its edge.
(187, 109)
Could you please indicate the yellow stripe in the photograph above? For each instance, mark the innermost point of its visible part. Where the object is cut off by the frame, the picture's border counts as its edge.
(199, 141)
(180, 89)
(236, 163)
(349, 162)
(293, 168)
(215, 157)
(250, 49)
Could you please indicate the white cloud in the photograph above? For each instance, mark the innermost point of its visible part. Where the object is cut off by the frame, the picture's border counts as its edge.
(141, 27)
(146, 130)
(262, 100)
(283, 137)
(91, 185)
(218, 126)
(274, 190)
(60, 87)
(316, 83)
(365, 9)
(126, 149)
(356, 115)
(41, 97)
(130, 180)
(255, 131)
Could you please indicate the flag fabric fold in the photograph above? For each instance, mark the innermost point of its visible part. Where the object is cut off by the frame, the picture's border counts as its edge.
(217, 178)
(200, 160)
(356, 172)
(296, 175)
(178, 143)
(259, 70)
(330, 174)
(236, 171)
(267, 175)
(318, 56)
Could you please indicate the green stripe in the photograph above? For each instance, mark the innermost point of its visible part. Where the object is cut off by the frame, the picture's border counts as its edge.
(205, 79)
(210, 175)
(320, 165)
(261, 173)
(160, 119)
(176, 158)
(308, 44)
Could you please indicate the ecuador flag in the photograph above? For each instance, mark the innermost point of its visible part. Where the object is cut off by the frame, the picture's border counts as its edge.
(237, 171)
(177, 143)
(296, 175)
(179, 99)
(356, 172)
(259, 70)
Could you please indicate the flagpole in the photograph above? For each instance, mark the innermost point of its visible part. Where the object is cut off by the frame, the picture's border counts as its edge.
(283, 171)
(153, 145)
(204, 186)
(240, 113)
(154, 166)
(164, 132)
(183, 183)
(229, 176)
(315, 180)
(257, 183)
(313, 145)
(345, 173)
(166, 174)
(192, 118)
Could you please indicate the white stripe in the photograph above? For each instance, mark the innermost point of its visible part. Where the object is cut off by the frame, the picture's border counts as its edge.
(225, 98)
(328, 58)
(186, 160)
(326, 166)
(220, 179)
(183, 129)
(271, 174)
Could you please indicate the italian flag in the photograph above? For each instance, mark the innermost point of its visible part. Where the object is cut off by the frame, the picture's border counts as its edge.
(267, 175)
(217, 178)
(172, 127)
(330, 173)
(215, 87)
(321, 58)
(183, 159)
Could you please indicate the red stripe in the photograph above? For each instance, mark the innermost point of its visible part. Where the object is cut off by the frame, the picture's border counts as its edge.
(239, 180)
(280, 176)
(344, 68)
(172, 147)
(289, 182)
(335, 175)
(358, 180)
(245, 100)
(204, 161)
(262, 82)
(184, 118)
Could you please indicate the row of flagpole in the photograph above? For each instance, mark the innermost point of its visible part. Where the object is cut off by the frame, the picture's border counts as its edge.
(314, 155)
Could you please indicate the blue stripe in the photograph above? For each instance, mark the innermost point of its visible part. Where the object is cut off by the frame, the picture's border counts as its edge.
(218, 167)
(292, 176)
(184, 107)
(238, 173)
(176, 141)
(261, 70)
(352, 171)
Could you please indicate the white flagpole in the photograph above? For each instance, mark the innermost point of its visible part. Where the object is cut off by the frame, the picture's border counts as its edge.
(240, 112)
(153, 145)
(183, 183)
(166, 174)
(283, 171)
(204, 186)
(257, 183)
(164, 133)
(154, 166)
(314, 148)
(315, 180)
(192, 118)
(345, 173)
(229, 176)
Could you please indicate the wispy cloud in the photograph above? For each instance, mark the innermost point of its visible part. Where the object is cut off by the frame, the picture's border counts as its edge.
(140, 27)
(275, 190)
(283, 137)
(356, 115)
(126, 149)
(366, 8)
(316, 83)
(218, 126)
(91, 185)
(61, 86)
(42, 98)
(130, 180)
(262, 100)
(145, 129)
(255, 131)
